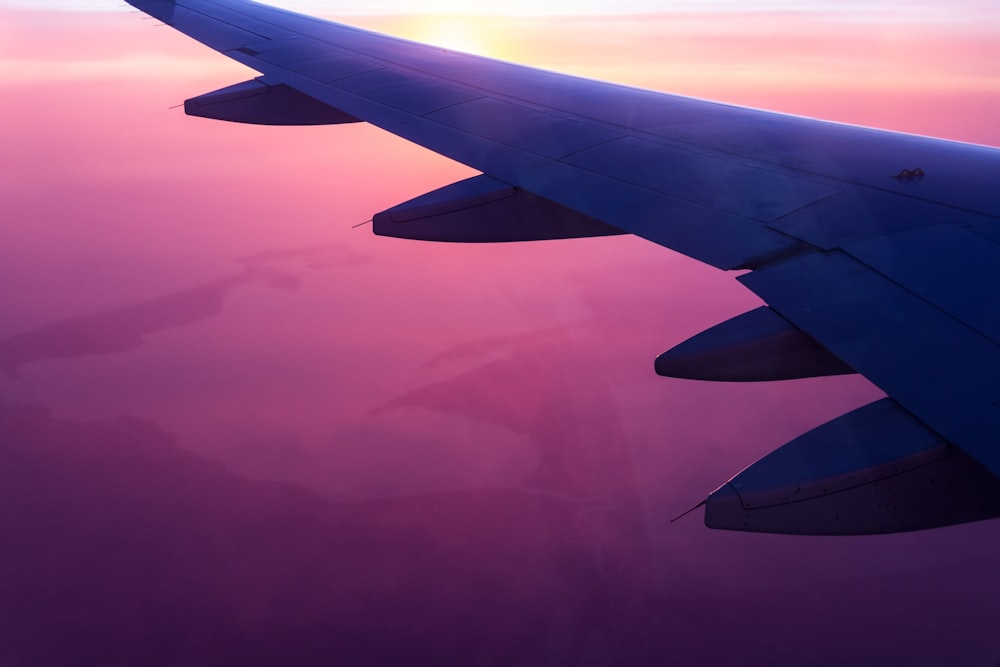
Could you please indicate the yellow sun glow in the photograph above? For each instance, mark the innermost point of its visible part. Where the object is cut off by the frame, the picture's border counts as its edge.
(470, 34)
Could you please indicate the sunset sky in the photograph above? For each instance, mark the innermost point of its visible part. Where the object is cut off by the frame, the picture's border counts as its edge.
(903, 11)
(233, 426)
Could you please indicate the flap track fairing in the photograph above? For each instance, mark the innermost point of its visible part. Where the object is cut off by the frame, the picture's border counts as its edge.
(756, 346)
(873, 470)
(259, 103)
(482, 209)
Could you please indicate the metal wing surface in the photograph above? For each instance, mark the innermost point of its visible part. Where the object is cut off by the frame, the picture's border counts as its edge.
(876, 252)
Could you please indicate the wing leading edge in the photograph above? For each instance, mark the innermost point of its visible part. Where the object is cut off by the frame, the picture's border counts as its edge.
(875, 251)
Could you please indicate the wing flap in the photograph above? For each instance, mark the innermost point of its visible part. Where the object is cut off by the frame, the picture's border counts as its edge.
(935, 366)
(928, 261)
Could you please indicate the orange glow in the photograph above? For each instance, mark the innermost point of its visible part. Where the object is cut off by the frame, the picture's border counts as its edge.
(929, 79)
(491, 36)
(914, 77)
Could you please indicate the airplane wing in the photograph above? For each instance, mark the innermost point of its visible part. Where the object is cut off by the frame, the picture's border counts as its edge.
(876, 252)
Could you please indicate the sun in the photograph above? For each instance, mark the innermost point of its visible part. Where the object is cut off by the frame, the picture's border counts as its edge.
(469, 34)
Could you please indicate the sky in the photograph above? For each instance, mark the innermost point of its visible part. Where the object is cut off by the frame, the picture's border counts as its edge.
(911, 10)
(237, 429)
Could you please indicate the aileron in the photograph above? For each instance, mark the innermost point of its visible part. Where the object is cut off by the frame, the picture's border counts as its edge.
(929, 260)
(935, 366)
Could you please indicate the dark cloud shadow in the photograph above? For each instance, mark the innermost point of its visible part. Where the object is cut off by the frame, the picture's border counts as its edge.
(122, 549)
(124, 329)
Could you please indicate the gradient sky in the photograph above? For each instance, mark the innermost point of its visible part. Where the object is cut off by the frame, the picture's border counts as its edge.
(234, 428)
(915, 10)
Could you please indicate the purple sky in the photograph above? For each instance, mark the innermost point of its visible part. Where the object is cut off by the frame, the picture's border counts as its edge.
(235, 430)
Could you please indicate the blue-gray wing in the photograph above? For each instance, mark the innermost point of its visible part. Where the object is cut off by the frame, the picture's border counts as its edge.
(875, 251)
